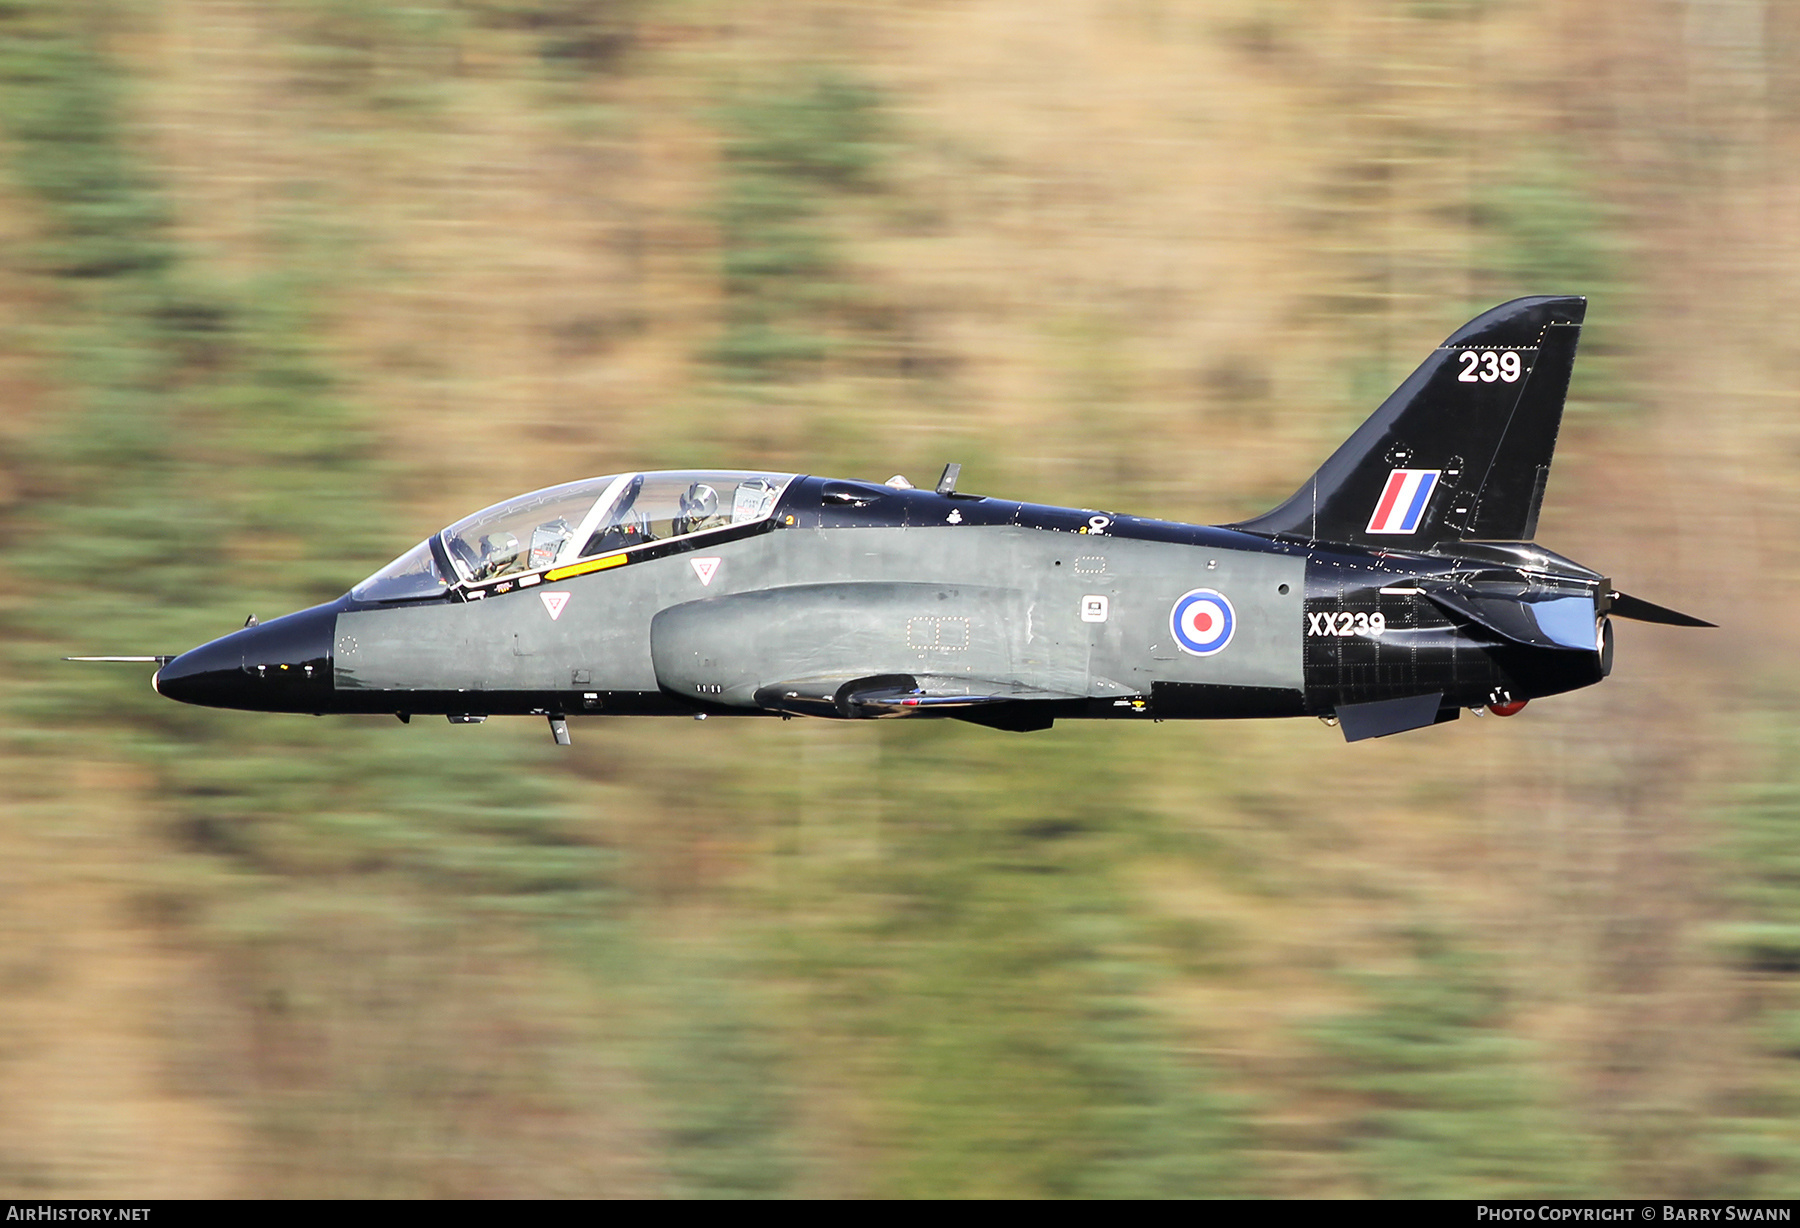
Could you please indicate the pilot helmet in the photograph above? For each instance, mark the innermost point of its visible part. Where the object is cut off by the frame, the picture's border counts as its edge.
(701, 502)
(499, 545)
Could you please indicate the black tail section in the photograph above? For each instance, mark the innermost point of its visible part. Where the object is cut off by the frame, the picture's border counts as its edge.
(1460, 451)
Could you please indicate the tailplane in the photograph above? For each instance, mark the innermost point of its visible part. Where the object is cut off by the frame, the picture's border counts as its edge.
(1461, 451)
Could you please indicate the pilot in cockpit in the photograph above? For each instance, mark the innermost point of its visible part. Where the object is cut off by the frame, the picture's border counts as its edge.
(499, 554)
(699, 510)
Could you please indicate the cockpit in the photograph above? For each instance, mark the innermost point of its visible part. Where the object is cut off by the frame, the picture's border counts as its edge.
(565, 524)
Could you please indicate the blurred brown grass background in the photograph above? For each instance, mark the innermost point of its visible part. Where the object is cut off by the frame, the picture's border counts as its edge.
(287, 285)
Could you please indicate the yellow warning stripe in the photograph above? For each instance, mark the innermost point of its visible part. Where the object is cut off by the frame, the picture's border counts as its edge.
(582, 569)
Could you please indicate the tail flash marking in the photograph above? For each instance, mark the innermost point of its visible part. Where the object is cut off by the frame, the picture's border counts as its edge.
(1403, 501)
(1427, 480)
(1396, 480)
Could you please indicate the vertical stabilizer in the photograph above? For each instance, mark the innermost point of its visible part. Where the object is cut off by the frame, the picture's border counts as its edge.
(1460, 451)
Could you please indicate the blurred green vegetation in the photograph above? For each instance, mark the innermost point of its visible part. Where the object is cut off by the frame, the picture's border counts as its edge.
(787, 151)
(1757, 1126)
(1452, 1110)
(996, 970)
(199, 426)
(195, 425)
(400, 58)
(1544, 227)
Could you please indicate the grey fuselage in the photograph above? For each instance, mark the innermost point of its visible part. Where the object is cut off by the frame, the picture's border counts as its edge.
(853, 597)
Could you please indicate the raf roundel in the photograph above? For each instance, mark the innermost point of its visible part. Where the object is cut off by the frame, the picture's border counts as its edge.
(1202, 622)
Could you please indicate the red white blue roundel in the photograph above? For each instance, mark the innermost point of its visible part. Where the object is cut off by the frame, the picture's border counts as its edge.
(1202, 622)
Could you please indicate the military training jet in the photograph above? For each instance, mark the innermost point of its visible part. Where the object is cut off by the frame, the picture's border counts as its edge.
(1398, 586)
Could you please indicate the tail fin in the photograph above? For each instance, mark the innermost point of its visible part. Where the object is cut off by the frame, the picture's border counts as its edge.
(1461, 450)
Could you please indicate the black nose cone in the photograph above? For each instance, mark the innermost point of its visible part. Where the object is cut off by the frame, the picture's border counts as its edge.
(283, 665)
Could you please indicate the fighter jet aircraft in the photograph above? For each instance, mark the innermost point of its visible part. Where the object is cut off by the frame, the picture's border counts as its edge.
(1397, 587)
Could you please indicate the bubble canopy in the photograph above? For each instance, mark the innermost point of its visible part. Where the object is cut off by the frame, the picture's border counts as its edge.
(578, 520)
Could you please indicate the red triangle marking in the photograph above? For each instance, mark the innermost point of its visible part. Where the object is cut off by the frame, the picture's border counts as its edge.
(705, 569)
(554, 603)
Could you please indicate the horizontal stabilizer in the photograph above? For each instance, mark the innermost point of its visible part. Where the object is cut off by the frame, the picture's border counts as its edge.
(1385, 716)
(1639, 610)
